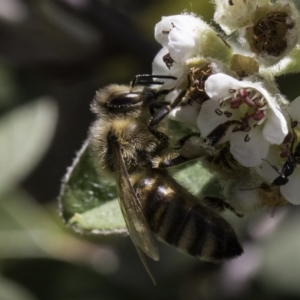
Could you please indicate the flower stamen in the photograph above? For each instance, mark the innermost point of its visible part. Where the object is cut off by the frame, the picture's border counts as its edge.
(258, 115)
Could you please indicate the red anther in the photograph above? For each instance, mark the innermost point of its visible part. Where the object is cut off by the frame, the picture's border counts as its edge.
(235, 102)
(258, 115)
(249, 102)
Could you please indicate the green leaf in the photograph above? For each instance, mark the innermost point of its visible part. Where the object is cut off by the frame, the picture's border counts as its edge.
(89, 202)
(198, 180)
(10, 290)
(25, 134)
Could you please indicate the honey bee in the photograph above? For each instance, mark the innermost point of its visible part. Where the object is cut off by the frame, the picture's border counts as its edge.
(151, 201)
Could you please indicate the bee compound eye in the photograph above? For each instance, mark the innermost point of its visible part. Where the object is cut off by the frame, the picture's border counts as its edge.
(124, 100)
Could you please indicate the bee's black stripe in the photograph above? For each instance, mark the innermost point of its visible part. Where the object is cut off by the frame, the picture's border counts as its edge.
(183, 227)
(220, 242)
(174, 221)
(155, 211)
(201, 227)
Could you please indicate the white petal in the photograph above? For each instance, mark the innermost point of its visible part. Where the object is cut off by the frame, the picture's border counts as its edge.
(244, 200)
(187, 22)
(187, 114)
(294, 110)
(172, 95)
(159, 68)
(251, 153)
(217, 86)
(267, 168)
(291, 190)
(275, 127)
(182, 45)
(162, 29)
(208, 120)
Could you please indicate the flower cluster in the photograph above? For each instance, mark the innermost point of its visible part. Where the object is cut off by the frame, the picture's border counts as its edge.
(229, 95)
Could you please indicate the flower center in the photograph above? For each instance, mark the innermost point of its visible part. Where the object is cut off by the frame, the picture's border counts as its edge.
(245, 105)
(270, 33)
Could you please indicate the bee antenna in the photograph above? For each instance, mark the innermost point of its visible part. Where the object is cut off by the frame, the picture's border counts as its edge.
(148, 79)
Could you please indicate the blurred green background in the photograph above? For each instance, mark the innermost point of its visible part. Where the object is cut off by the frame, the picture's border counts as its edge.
(54, 55)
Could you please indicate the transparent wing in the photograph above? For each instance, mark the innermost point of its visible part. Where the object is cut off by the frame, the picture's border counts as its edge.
(143, 258)
(136, 222)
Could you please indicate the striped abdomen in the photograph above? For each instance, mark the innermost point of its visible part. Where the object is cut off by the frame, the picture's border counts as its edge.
(178, 218)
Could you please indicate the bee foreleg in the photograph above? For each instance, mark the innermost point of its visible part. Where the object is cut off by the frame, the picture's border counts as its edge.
(168, 162)
(191, 147)
(160, 115)
(185, 139)
(154, 106)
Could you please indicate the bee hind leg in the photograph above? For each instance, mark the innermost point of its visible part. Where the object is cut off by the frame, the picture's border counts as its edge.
(220, 205)
(189, 148)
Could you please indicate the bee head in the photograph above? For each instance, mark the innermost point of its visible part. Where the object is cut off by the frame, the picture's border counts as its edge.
(118, 99)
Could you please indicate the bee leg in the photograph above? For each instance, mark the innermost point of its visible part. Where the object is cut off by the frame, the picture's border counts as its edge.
(154, 106)
(219, 204)
(185, 139)
(220, 131)
(168, 163)
(160, 114)
(165, 109)
(191, 147)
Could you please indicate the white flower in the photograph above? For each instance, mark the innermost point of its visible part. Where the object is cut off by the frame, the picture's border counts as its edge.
(280, 159)
(231, 15)
(180, 35)
(255, 119)
(184, 37)
(293, 110)
(187, 114)
(238, 189)
(177, 70)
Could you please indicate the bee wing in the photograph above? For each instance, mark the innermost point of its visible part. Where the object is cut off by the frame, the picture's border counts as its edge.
(143, 258)
(135, 220)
